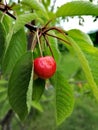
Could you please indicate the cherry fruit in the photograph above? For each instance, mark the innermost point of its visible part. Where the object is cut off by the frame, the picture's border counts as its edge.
(45, 67)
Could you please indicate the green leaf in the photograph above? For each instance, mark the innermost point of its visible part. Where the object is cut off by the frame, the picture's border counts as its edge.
(46, 3)
(4, 107)
(17, 47)
(8, 39)
(3, 96)
(88, 58)
(38, 89)
(2, 41)
(6, 21)
(64, 97)
(29, 92)
(3, 82)
(34, 4)
(37, 106)
(19, 84)
(65, 42)
(65, 65)
(3, 85)
(2, 88)
(75, 8)
(22, 20)
(81, 36)
(43, 16)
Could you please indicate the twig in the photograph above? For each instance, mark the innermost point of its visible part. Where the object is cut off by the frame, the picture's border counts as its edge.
(47, 24)
(48, 45)
(58, 38)
(55, 28)
(29, 26)
(6, 121)
(41, 31)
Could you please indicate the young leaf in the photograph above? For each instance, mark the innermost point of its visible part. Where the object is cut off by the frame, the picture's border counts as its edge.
(35, 5)
(43, 16)
(38, 89)
(75, 8)
(2, 41)
(88, 58)
(22, 20)
(37, 106)
(64, 97)
(17, 47)
(19, 84)
(6, 21)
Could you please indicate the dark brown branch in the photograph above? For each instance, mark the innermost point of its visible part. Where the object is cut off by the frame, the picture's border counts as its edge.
(58, 38)
(12, 16)
(57, 29)
(48, 45)
(5, 122)
(42, 31)
(29, 26)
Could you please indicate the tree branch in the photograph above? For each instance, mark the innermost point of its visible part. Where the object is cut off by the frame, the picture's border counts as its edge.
(59, 38)
(29, 26)
(6, 121)
(45, 37)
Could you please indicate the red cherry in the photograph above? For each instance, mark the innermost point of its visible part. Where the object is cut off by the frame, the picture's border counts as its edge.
(45, 67)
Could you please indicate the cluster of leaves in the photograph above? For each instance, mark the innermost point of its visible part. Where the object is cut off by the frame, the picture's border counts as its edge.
(16, 60)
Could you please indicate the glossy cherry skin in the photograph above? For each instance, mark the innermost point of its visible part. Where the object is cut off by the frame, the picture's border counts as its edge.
(45, 67)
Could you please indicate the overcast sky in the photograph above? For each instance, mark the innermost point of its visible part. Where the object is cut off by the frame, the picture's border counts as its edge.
(88, 25)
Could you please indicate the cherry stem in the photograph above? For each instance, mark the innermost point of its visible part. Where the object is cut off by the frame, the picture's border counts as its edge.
(58, 38)
(47, 42)
(34, 42)
(37, 34)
